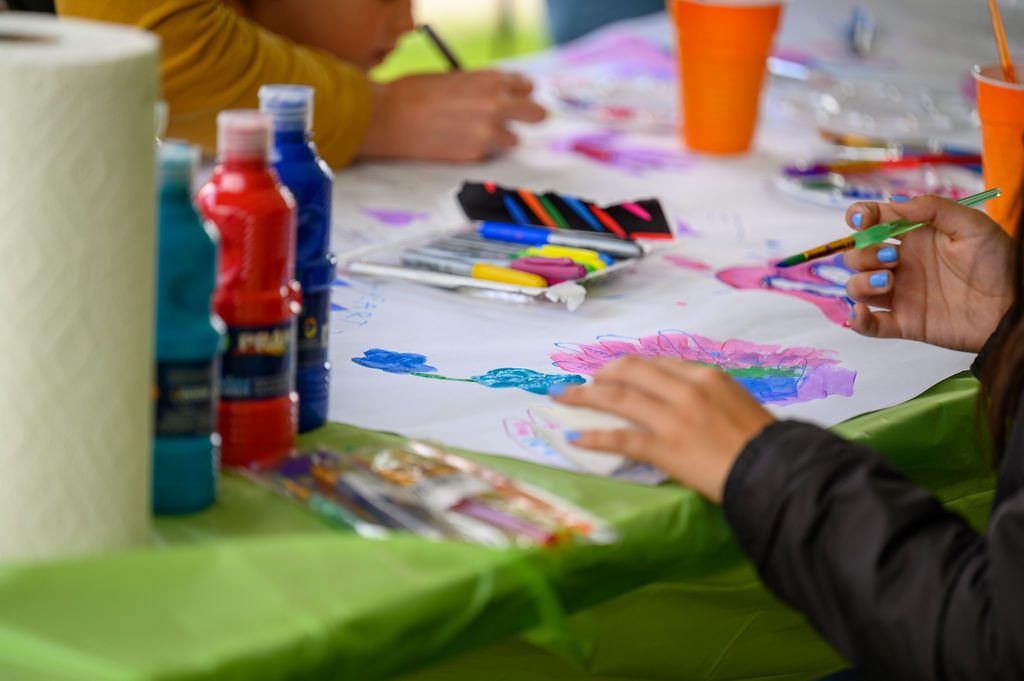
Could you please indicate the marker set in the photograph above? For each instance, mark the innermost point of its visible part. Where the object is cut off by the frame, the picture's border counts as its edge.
(504, 258)
(429, 492)
(641, 219)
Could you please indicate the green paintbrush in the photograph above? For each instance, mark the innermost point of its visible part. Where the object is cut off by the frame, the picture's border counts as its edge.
(877, 234)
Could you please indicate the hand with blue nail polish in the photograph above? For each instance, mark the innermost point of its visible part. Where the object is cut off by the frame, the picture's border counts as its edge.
(947, 284)
(880, 280)
(888, 254)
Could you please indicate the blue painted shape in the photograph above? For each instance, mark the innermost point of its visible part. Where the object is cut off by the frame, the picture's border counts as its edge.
(771, 388)
(526, 379)
(337, 308)
(394, 362)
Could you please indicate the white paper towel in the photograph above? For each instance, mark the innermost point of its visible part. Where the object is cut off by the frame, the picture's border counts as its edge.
(77, 263)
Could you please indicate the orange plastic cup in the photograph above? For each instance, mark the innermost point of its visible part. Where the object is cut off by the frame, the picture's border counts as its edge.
(723, 49)
(1001, 110)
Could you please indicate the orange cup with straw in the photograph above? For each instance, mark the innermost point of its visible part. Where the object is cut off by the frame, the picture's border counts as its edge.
(723, 50)
(1001, 110)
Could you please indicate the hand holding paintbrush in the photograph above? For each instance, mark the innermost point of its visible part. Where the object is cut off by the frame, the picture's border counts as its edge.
(948, 284)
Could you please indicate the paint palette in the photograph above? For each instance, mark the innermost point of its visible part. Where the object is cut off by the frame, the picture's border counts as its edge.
(877, 109)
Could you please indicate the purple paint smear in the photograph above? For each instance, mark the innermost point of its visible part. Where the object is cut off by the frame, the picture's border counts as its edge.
(612, 149)
(821, 283)
(773, 374)
(623, 55)
(393, 217)
(683, 228)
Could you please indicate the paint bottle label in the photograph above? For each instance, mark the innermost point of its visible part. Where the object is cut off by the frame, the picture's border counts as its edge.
(258, 363)
(185, 398)
(314, 330)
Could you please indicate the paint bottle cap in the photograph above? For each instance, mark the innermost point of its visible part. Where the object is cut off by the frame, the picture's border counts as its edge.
(291, 107)
(177, 163)
(243, 135)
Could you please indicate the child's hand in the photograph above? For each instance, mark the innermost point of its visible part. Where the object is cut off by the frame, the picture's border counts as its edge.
(457, 117)
(948, 283)
(694, 420)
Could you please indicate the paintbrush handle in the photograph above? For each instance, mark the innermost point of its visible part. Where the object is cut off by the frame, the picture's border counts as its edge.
(890, 230)
(1009, 73)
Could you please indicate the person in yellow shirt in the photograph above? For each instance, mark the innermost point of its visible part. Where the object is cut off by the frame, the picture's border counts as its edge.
(217, 53)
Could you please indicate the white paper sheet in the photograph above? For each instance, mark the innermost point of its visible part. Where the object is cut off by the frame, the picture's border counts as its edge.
(709, 285)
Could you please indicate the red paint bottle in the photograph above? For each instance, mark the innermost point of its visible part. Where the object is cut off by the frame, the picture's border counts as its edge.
(256, 296)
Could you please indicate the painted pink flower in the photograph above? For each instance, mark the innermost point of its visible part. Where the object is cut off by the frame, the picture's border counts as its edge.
(772, 373)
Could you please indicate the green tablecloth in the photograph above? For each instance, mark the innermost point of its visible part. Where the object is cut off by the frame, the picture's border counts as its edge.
(257, 589)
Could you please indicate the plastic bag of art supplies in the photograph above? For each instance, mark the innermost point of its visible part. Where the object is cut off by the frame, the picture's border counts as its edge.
(427, 490)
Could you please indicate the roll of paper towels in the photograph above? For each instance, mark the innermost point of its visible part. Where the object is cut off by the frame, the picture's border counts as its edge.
(77, 265)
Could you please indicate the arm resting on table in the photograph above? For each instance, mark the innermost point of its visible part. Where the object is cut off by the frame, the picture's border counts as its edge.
(214, 59)
(903, 588)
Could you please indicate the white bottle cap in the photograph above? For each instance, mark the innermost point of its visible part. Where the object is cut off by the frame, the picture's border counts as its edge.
(177, 163)
(243, 135)
(291, 106)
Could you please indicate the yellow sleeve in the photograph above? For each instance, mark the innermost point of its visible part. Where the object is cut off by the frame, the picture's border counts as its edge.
(214, 59)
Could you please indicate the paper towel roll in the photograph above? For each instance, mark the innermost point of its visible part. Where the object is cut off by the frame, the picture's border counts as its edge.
(77, 228)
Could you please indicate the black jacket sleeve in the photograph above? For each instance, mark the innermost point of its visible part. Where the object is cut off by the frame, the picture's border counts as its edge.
(901, 587)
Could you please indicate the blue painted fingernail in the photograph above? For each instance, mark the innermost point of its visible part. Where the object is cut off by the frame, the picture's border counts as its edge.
(853, 313)
(900, 198)
(879, 280)
(887, 254)
(572, 435)
(556, 389)
(857, 219)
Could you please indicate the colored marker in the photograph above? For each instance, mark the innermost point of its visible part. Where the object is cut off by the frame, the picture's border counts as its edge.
(592, 260)
(609, 222)
(517, 213)
(483, 271)
(553, 212)
(535, 236)
(531, 201)
(553, 270)
(877, 234)
(638, 210)
(581, 209)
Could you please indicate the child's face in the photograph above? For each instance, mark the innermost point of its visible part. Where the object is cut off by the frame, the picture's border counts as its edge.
(361, 32)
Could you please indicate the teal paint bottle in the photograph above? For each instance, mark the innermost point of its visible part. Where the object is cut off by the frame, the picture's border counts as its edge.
(186, 447)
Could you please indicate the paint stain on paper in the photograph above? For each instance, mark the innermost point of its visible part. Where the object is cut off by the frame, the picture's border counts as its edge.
(685, 263)
(821, 283)
(394, 217)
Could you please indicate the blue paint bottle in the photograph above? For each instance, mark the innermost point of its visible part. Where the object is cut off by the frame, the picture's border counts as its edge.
(186, 448)
(310, 180)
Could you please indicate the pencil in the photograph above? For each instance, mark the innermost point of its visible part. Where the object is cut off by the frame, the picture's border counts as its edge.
(1004, 51)
(443, 48)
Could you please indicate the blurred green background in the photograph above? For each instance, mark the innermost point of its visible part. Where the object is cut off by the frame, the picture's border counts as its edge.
(478, 32)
